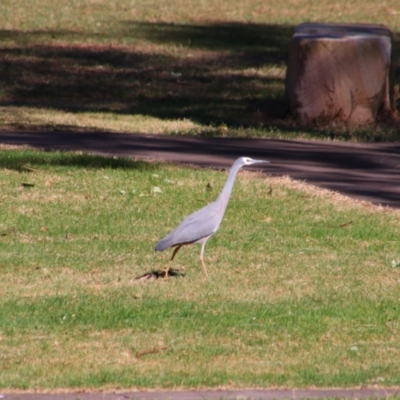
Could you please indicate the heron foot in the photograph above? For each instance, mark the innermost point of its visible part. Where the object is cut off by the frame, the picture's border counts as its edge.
(166, 272)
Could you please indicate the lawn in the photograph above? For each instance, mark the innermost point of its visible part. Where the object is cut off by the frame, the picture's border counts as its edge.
(303, 288)
(304, 283)
(213, 68)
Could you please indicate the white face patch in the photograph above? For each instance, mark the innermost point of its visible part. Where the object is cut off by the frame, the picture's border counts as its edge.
(247, 160)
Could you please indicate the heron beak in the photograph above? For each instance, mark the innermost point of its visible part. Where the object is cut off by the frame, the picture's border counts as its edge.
(260, 161)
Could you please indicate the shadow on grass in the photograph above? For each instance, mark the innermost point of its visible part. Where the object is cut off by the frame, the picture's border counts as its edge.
(267, 41)
(160, 274)
(205, 73)
(28, 160)
(214, 74)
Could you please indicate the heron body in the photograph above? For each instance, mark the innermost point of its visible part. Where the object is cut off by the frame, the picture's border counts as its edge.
(202, 224)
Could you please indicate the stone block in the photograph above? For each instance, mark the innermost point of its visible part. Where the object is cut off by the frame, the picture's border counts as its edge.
(340, 73)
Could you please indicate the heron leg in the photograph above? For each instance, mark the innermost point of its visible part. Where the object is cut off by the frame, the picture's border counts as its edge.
(170, 261)
(202, 259)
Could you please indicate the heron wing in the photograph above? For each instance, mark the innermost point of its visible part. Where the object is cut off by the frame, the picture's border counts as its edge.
(196, 226)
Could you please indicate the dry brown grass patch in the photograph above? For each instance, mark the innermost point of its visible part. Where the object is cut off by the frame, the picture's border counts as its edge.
(279, 184)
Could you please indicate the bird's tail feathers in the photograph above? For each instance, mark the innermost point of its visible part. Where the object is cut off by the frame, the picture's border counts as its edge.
(162, 245)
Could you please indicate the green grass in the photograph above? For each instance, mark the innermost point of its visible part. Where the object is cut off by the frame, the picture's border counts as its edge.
(212, 68)
(303, 289)
(304, 285)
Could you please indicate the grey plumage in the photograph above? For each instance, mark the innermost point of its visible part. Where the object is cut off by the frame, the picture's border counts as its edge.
(202, 224)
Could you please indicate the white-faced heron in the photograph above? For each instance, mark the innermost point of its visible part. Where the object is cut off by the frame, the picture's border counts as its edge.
(202, 224)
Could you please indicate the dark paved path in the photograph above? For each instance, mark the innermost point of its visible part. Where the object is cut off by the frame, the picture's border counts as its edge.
(365, 171)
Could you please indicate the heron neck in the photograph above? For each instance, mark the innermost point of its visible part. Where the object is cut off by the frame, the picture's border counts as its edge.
(224, 196)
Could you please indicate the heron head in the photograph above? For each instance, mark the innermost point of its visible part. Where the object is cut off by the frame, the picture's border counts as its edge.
(249, 161)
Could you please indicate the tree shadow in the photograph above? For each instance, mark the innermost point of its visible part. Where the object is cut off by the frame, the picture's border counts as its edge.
(269, 40)
(213, 74)
(209, 74)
